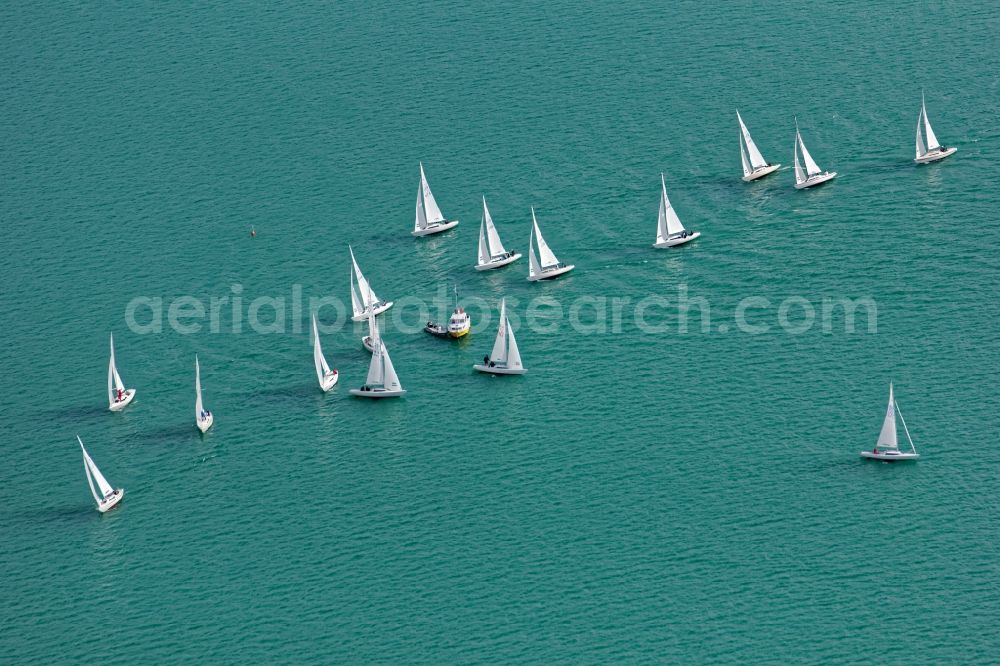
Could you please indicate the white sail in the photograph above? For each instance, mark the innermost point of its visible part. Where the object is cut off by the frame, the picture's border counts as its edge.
(93, 472)
(499, 353)
(389, 379)
(811, 167)
(887, 437)
(921, 150)
(114, 379)
(420, 223)
(932, 141)
(484, 250)
(547, 257)
(667, 223)
(513, 353)
(372, 333)
(800, 175)
(432, 214)
(362, 295)
(86, 470)
(756, 159)
(743, 159)
(492, 237)
(318, 359)
(198, 407)
(533, 268)
(375, 366)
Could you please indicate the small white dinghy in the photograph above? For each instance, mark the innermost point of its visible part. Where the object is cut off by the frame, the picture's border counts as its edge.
(202, 417)
(118, 396)
(929, 150)
(109, 497)
(544, 265)
(505, 359)
(812, 174)
(492, 253)
(429, 218)
(754, 164)
(327, 378)
(363, 299)
(669, 230)
(382, 381)
(887, 447)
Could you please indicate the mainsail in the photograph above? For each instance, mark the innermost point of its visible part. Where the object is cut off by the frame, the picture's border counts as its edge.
(94, 474)
(198, 407)
(811, 167)
(667, 223)
(800, 175)
(492, 237)
(921, 149)
(114, 379)
(546, 256)
(505, 352)
(932, 141)
(428, 212)
(499, 353)
(887, 437)
(756, 159)
(318, 359)
(362, 295)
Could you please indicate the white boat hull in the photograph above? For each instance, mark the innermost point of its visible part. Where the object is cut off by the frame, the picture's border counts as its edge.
(106, 505)
(330, 381)
(935, 156)
(498, 370)
(206, 423)
(435, 228)
(378, 310)
(124, 402)
(890, 456)
(497, 263)
(760, 173)
(678, 240)
(378, 393)
(818, 179)
(551, 273)
(366, 342)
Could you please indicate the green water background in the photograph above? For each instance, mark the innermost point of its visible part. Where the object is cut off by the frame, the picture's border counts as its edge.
(635, 497)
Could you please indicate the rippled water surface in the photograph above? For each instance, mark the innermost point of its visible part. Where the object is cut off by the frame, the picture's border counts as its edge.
(638, 496)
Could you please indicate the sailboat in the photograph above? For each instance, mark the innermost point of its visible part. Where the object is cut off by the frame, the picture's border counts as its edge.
(887, 448)
(505, 359)
(118, 395)
(812, 174)
(929, 150)
(669, 230)
(754, 164)
(109, 497)
(382, 381)
(544, 265)
(202, 417)
(429, 219)
(492, 253)
(368, 342)
(327, 377)
(363, 299)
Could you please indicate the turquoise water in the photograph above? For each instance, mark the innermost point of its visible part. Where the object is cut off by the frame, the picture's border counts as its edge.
(637, 496)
